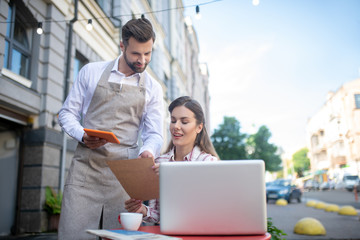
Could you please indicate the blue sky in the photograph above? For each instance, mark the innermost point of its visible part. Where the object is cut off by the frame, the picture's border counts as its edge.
(273, 64)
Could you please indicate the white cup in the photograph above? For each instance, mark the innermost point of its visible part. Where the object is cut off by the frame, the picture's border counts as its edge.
(131, 221)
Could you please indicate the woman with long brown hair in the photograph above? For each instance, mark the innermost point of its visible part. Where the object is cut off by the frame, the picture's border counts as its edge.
(189, 142)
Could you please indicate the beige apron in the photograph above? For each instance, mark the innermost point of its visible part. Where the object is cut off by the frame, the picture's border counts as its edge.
(93, 197)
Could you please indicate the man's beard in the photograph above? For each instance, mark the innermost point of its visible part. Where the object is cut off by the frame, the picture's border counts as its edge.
(132, 65)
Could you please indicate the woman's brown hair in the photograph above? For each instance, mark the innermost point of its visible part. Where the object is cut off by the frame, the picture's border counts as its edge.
(202, 139)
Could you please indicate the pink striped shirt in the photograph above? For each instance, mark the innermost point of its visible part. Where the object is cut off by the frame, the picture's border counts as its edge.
(153, 210)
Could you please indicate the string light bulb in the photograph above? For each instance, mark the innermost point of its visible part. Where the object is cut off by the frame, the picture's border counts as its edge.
(39, 29)
(189, 24)
(198, 15)
(89, 25)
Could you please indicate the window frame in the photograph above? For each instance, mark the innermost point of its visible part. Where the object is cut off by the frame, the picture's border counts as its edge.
(82, 60)
(20, 14)
(15, 20)
(357, 100)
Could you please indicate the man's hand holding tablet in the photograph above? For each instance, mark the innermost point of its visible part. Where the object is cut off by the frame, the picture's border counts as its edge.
(96, 138)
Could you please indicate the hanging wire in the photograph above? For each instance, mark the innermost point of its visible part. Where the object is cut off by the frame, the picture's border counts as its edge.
(126, 15)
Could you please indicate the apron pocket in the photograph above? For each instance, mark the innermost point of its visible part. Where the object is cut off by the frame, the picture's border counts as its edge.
(79, 166)
(133, 152)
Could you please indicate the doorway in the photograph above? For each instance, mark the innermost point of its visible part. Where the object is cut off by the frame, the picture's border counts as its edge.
(9, 164)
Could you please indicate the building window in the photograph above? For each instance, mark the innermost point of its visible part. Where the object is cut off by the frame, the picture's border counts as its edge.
(314, 140)
(17, 55)
(357, 101)
(149, 2)
(80, 61)
(105, 5)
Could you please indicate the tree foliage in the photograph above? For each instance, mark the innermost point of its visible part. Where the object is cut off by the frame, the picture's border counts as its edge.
(301, 161)
(231, 144)
(259, 148)
(228, 141)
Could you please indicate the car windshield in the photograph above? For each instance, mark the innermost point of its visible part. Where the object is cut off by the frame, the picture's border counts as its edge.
(279, 182)
(351, 177)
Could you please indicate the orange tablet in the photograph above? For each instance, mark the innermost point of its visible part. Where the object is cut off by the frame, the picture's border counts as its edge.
(109, 136)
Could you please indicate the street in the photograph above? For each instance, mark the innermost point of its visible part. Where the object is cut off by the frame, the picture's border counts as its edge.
(337, 196)
(337, 226)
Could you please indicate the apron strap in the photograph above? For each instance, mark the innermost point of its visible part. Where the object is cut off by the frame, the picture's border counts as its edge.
(106, 74)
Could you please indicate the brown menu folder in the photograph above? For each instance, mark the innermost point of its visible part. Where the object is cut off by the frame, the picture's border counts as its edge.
(137, 177)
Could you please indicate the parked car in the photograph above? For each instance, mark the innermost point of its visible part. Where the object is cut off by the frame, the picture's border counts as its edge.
(327, 185)
(311, 184)
(350, 181)
(282, 188)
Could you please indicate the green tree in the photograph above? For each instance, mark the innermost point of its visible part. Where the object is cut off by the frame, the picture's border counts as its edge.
(301, 161)
(258, 147)
(228, 141)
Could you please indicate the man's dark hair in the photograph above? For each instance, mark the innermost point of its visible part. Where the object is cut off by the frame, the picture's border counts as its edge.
(141, 29)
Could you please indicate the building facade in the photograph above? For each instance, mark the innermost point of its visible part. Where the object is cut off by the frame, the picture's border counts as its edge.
(333, 133)
(37, 72)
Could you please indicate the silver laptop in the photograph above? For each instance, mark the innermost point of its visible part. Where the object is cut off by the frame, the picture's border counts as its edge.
(213, 198)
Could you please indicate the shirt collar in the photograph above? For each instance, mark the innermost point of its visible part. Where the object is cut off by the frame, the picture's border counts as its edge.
(191, 156)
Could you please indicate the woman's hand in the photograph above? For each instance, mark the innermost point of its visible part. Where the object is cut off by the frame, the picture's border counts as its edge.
(155, 167)
(135, 205)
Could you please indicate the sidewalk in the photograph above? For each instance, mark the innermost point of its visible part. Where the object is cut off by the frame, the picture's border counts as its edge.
(34, 236)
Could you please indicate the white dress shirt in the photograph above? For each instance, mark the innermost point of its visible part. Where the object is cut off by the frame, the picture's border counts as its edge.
(79, 98)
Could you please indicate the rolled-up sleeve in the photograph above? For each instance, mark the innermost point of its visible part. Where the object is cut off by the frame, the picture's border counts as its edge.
(153, 212)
